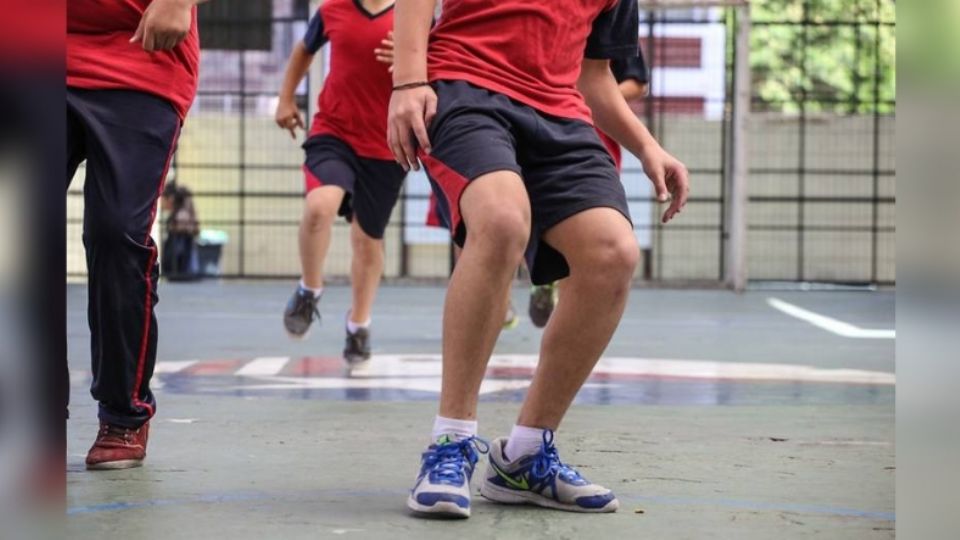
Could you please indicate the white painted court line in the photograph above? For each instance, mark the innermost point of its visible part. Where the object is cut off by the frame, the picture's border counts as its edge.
(829, 324)
(264, 366)
(172, 366)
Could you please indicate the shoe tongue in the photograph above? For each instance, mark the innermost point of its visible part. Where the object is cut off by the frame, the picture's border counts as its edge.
(445, 439)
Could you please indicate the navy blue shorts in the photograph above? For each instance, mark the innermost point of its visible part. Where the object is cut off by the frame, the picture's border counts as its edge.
(372, 186)
(564, 166)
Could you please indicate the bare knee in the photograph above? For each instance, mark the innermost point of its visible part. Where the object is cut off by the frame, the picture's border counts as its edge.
(500, 233)
(611, 261)
(318, 214)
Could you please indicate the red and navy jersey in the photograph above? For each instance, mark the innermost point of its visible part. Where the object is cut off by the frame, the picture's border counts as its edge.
(356, 93)
(100, 55)
(531, 51)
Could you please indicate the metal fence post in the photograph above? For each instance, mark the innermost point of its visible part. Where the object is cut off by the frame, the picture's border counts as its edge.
(735, 212)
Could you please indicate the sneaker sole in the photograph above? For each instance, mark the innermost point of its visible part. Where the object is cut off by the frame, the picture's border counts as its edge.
(441, 509)
(115, 465)
(537, 322)
(358, 367)
(297, 337)
(501, 495)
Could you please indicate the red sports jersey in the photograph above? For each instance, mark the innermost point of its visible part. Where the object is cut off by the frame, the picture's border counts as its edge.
(353, 103)
(100, 55)
(531, 51)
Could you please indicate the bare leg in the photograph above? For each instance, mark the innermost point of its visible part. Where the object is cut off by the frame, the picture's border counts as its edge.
(602, 252)
(496, 211)
(315, 227)
(366, 268)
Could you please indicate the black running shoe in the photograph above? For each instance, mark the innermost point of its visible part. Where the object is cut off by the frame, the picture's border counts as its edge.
(300, 311)
(543, 298)
(357, 348)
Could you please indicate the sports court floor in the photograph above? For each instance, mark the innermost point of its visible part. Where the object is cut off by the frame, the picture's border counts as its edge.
(713, 415)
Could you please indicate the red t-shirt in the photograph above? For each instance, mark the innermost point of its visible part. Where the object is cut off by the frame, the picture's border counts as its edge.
(531, 51)
(356, 93)
(100, 55)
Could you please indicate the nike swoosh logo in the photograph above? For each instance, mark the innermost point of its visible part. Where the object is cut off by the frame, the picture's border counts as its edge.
(522, 484)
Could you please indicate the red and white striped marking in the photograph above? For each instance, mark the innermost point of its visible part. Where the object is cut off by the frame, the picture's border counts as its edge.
(505, 372)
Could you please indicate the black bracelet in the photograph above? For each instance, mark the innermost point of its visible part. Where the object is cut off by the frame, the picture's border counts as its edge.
(408, 86)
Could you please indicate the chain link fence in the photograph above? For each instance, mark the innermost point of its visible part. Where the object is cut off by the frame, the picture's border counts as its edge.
(821, 180)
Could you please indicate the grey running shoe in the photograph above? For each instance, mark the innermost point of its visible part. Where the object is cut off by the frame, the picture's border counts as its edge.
(543, 298)
(542, 479)
(356, 351)
(300, 311)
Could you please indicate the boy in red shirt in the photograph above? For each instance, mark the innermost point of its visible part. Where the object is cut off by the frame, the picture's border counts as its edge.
(499, 102)
(131, 77)
(349, 170)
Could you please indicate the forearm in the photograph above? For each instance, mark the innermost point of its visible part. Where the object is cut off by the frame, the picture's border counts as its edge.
(297, 67)
(610, 111)
(412, 20)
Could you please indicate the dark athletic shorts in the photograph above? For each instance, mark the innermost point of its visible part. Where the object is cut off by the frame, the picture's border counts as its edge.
(565, 167)
(372, 186)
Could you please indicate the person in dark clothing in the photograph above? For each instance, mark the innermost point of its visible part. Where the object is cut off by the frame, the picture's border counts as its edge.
(132, 73)
(179, 261)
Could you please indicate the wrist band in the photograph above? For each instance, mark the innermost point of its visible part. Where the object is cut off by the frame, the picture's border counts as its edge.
(408, 86)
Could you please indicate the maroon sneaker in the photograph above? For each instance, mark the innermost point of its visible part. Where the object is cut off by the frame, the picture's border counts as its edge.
(118, 447)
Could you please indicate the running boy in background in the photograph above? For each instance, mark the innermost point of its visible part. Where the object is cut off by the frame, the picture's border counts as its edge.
(349, 169)
(499, 104)
(632, 78)
(132, 71)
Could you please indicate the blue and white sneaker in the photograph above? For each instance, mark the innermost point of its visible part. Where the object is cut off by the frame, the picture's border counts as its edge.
(443, 485)
(542, 479)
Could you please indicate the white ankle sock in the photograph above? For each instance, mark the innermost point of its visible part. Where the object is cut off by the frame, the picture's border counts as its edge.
(457, 429)
(352, 327)
(316, 292)
(523, 441)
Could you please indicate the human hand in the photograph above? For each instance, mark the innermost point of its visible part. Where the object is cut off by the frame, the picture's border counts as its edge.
(411, 111)
(670, 179)
(288, 117)
(164, 24)
(384, 53)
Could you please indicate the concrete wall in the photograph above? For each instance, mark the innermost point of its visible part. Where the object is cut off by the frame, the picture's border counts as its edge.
(838, 160)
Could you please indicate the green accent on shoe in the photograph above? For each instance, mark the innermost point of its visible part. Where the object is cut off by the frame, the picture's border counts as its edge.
(522, 484)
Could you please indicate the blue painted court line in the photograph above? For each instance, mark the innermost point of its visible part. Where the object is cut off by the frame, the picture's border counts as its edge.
(737, 504)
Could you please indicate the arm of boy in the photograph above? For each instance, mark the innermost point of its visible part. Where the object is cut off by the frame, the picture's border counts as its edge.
(413, 107)
(612, 115)
(288, 114)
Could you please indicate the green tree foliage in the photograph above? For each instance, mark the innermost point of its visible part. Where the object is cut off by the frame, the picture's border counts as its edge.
(824, 55)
